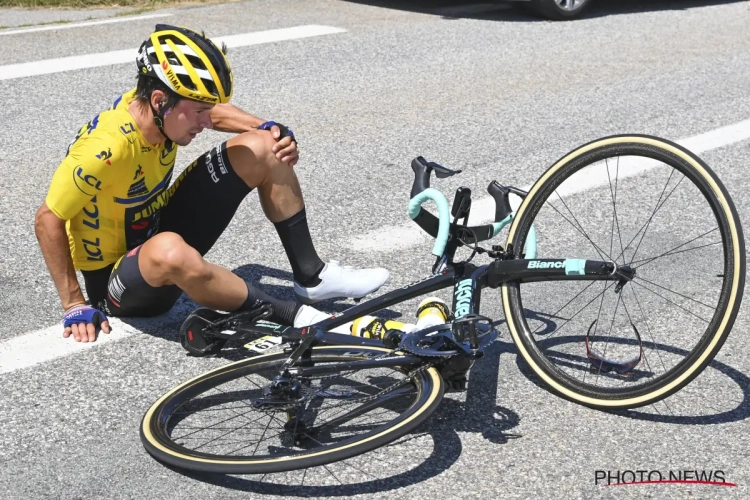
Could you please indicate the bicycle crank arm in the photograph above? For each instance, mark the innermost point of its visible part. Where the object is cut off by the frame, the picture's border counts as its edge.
(528, 270)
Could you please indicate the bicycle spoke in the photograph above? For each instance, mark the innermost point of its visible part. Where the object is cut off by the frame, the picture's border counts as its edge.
(650, 259)
(217, 423)
(611, 324)
(615, 220)
(221, 436)
(262, 439)
(672, 291)
(578, 227)
(672, 251)
(646, 224)
(654, 213)
(650, 333)
(598, 316)
(648, 221)
(364, 408)
(673, 303)
(578, 312)
(554, 314)
(204, 410)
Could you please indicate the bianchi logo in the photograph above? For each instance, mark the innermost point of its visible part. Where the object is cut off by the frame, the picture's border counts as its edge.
(537, 264)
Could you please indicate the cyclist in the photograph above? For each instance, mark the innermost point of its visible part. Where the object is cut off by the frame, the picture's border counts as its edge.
(139, 242)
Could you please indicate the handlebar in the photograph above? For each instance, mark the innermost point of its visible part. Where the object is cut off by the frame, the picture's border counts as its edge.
(441, 228)
(415, 207)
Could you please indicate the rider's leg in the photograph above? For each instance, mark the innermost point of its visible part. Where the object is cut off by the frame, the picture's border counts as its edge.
(280, 197)
(150, 278)
(167, 260)
(252, 158)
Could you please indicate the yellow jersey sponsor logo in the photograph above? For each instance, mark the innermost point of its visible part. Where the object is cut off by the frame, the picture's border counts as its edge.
(85, 182)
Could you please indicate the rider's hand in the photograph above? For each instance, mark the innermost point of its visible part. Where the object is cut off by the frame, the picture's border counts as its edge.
(285, 148)
(83, 322)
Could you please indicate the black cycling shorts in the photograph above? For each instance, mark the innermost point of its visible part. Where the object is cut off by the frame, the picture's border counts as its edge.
(202, 202)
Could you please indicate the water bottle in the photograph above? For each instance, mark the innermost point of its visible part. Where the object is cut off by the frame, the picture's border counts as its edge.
(371, 327)
(432, 311)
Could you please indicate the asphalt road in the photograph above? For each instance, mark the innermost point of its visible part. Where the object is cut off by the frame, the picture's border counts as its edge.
(481, 88)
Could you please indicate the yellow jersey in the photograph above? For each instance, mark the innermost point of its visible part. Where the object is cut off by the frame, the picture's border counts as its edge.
(110, 187)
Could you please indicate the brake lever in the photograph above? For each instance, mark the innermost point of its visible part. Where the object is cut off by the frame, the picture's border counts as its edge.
(442, 172)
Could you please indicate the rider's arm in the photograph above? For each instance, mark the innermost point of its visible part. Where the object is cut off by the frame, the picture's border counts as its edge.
(229, 118)
(93, 163)
(53, 240)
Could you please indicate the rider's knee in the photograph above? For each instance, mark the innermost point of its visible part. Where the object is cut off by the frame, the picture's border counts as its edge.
(173, 256)
(260, 143)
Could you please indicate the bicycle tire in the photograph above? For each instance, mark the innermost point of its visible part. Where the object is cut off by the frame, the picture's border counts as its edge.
(705, 181)
(156, 438)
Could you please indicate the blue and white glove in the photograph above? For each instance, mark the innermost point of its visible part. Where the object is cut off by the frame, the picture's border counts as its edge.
(84, 314)
(285, 131)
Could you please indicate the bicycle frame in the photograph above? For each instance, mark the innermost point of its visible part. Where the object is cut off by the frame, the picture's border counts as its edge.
(467, 281)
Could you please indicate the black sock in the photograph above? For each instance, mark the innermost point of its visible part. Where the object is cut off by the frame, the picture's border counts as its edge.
(284, 311)
(295, 236)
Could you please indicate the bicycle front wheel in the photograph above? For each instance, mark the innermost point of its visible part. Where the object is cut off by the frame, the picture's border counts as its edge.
(218, 422)
(650, 204)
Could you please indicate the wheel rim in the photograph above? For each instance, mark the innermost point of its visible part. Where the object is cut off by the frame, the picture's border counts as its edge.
(164, 426)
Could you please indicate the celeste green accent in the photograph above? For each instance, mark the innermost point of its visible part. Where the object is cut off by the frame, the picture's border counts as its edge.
(530, 239)
(531, 243)
(575, 267)
(498, 226)
(444, 216)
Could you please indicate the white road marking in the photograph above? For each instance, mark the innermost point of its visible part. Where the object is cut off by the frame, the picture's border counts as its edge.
(71, 63)
(47, 344)
(408, 234)
(84, 24)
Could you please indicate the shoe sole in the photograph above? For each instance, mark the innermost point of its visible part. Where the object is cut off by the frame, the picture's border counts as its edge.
(308, 301)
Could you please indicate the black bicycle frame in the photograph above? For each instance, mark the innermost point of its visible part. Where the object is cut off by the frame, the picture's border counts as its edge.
(467, 280)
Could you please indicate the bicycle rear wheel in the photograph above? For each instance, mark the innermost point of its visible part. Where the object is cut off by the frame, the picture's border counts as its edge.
(653, 205)
(213, 423)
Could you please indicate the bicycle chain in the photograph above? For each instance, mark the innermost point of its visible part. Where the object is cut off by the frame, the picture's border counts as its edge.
(309, 390)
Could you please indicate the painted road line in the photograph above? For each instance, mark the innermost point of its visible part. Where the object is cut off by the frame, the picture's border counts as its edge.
(408, 234)
(84, 24)
(72, 63)
(47, 344)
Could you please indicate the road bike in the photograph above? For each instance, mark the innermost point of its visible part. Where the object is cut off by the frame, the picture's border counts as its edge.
(620, 279)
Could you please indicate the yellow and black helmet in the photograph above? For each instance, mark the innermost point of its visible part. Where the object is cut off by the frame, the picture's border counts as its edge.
(188, 63)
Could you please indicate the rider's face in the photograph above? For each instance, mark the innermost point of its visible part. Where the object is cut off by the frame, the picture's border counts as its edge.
(186, 120)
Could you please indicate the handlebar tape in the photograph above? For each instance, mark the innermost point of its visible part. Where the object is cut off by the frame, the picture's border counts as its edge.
(415, 204)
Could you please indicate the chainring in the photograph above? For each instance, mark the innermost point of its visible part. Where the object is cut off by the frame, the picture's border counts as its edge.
(439, 341)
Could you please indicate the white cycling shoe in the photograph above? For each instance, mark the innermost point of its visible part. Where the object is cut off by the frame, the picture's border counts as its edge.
(337, 281)
(308, 315)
